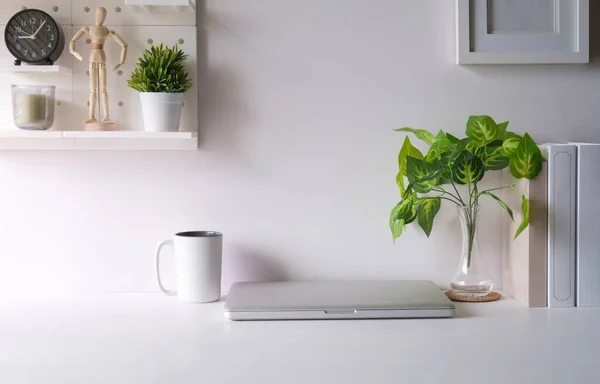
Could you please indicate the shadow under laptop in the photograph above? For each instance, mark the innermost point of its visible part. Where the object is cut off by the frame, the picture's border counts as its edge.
(462, 311)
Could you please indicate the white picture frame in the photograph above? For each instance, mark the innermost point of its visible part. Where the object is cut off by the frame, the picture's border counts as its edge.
(566, 43)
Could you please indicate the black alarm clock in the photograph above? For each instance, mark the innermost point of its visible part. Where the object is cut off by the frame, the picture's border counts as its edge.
(32, 36)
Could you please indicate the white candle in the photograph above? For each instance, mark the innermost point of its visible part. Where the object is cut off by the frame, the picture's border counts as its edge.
(31, 110)
(33, 106)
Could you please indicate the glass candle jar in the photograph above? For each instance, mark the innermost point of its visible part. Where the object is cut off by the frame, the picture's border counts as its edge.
(33, 106)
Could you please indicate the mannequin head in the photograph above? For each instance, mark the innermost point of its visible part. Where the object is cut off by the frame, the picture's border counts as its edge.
(100, 16)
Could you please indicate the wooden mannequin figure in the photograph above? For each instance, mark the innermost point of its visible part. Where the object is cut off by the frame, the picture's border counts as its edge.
(98, 35)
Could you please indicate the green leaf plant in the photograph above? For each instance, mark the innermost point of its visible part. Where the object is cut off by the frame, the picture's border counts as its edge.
(427, 180)
(161, 69)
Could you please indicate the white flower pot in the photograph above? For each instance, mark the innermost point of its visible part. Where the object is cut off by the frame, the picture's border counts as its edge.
(161, 111)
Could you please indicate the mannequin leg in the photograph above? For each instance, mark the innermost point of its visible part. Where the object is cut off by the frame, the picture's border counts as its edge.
(104, 91)
(93, 93)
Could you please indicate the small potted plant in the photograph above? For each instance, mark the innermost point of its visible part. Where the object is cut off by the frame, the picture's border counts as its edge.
(450, 172)
(161, 78)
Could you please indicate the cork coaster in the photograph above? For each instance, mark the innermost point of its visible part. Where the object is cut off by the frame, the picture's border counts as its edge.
(492, 296)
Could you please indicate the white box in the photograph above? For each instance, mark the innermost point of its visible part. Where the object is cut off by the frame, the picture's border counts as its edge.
(525, 259)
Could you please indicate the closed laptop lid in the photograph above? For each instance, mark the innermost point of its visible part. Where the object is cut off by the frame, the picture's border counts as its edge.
(364, 295)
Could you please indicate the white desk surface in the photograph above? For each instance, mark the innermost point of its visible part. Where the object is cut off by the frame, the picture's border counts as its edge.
(155, 339)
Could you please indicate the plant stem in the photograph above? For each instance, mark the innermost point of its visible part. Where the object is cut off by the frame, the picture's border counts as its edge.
(471, 220)
(440, 196)
(494, 189)
(514, 186)
(443, 191)
(454, 201)
(457, 193)
(472, 227)
(470, 196)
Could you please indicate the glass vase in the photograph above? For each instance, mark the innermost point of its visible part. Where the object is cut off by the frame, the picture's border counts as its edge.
(472, 277)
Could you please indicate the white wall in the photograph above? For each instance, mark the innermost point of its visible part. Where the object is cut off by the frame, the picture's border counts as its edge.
(297, 160)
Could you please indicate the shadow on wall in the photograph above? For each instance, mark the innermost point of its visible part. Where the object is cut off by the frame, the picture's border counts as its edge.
(221, 116)
(594, 33)
(250, 265)
(222, 112)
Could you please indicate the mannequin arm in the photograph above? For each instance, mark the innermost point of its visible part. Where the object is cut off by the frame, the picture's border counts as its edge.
(123, 45)
(78, 36)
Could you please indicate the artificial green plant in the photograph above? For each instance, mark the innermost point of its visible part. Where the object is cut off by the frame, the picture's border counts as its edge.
(161, 69)
(427, 180)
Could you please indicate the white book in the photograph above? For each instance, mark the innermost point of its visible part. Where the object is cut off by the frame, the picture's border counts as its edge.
(588, 225)
(562, 207)
(525, 259)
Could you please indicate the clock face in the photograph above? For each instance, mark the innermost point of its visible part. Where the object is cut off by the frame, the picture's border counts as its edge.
(33, 36)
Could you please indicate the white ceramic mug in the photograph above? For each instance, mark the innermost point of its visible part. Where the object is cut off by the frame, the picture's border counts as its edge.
(198, 260)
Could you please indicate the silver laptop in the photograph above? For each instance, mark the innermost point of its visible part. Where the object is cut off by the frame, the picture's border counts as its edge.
(336, 300)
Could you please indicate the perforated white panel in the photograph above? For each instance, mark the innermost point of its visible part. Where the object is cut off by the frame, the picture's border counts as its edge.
(60, 10)
(120, 14)
(124, 101)
(138, 29)
(63, 82)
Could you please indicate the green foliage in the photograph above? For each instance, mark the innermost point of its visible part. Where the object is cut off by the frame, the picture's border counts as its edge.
(467, 168)
(161, 69)
(420, 134)
(496, 160)
(406, 151)
(484, 130)
(403, 213)
(422, 175)
(452, 139)
(526, 161)
(426, 211)
(525, 210)
(502, 203)
(440, 142)
(510, 143)
(450, 161)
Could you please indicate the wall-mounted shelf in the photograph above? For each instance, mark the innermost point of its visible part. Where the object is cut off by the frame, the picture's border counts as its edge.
(97, 141)
(35, 69)
(162, 5)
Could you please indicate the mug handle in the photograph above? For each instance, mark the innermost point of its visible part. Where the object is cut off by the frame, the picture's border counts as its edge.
(159, 248)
